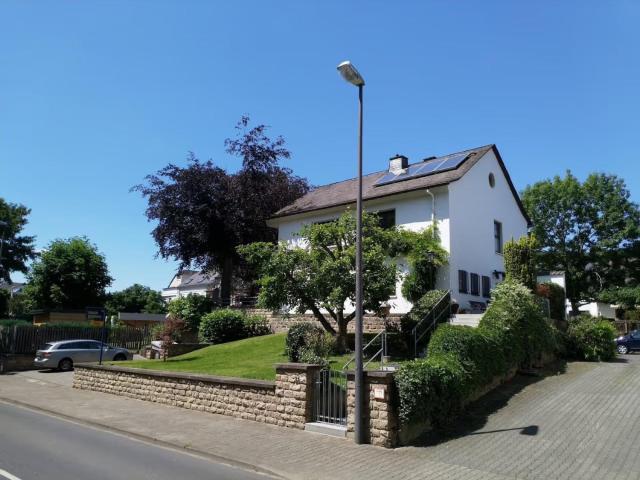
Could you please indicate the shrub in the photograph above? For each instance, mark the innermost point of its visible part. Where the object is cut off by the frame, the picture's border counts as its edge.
(461, 359)
(317, 348)
(191, 309)
(431, 390)
(300, 336)
(223, 325)
(515, 312)
(256, 326)
(479, 351)
(556, 296)
(519, 260)
(591, 338)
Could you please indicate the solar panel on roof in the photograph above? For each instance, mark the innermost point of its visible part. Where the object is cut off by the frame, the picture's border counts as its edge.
(423, 169)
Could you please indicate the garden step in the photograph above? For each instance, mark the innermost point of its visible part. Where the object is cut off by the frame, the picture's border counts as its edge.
(326, 429)
(466, 319)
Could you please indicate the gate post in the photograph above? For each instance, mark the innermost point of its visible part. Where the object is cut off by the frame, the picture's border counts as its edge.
(380, 415)
(294, 393)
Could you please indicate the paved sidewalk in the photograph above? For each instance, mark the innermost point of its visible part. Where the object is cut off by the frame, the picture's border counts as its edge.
(579, 425)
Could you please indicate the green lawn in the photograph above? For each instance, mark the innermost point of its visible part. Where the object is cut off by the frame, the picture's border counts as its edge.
(248, 358)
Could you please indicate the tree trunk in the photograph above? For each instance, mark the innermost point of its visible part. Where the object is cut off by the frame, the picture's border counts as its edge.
(341, 336)
(226, 278)
(575, 310)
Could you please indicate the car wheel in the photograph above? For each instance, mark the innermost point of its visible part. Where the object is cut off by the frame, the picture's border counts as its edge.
(622, 349)
(119, 357)
(65, 364)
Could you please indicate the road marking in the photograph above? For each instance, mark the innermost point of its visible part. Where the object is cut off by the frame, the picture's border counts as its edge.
(7, 475)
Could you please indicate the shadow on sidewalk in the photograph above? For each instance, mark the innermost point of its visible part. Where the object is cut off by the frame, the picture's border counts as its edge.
(475, 416)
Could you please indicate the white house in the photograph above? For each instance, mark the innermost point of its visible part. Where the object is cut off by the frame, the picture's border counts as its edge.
(468, 193)
(191, 282)
(595, 309)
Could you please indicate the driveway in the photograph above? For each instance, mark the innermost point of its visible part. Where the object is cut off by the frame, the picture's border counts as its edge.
(581, 424)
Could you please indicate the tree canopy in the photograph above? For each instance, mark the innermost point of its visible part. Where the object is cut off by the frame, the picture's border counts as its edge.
(204, 212)
(578, 224)
(15, 249)
(135, 299)
(319, 276)
(68, 274)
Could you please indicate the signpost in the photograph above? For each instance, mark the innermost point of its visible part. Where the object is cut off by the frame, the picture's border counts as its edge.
(99, 313)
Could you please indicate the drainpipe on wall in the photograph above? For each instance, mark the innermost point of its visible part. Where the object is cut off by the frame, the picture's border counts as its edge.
(433, 206)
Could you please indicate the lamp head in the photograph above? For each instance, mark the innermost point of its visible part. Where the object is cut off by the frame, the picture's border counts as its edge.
(350, 74)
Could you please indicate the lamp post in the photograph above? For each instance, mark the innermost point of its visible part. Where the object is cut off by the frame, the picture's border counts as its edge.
(351, 75)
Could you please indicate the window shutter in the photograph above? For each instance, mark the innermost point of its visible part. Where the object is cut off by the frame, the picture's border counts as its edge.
(486, 286)
(475, 284)
(462, 281)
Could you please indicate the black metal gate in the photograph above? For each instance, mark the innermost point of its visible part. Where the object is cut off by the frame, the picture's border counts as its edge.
(330, 397)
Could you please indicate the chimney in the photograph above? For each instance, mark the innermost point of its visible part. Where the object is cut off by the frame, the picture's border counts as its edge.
(397, 163)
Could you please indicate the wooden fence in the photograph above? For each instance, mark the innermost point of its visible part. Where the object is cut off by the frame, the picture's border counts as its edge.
(28, 338)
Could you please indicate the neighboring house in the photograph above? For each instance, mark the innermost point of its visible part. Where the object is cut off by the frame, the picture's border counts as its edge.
(469, 194)
(140, 320)
(191, 282)
(595, 309)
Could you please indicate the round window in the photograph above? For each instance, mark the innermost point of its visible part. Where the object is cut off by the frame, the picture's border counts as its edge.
(492, 180)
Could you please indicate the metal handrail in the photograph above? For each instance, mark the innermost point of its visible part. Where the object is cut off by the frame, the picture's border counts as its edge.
(381, 351)
(436, 317)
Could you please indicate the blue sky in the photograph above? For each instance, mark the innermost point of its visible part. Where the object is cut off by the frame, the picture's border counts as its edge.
(94, 95)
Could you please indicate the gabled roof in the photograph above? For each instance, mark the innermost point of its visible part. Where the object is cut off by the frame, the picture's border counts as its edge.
(191, 278)
(344, 193)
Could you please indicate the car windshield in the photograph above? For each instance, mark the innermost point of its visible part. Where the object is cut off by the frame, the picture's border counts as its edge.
(46, 346)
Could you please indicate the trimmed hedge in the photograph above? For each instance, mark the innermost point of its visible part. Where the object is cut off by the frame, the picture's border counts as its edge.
(512, 333)
(431, 389)
(591, 339)
(226, 325)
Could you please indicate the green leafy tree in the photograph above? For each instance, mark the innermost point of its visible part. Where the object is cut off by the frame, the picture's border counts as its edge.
(69, 274)
(578, 224)
(320, 275)
(626, 297)
(135, 299)
(425, 256)
(190, 309)
(15, 249)
(520, 260)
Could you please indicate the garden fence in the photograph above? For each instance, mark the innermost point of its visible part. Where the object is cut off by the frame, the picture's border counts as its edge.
(27, 339)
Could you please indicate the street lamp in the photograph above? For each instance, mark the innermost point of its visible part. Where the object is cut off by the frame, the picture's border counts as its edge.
(351, 75)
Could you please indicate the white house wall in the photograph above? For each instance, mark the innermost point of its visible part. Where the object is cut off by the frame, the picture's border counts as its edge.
(413, 212)
(473, 207)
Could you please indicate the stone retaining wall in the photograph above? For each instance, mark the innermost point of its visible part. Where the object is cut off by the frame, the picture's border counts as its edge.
(281, 322)
(286, 402)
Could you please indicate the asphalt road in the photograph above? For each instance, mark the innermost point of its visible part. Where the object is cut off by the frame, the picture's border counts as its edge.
(38, 446)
